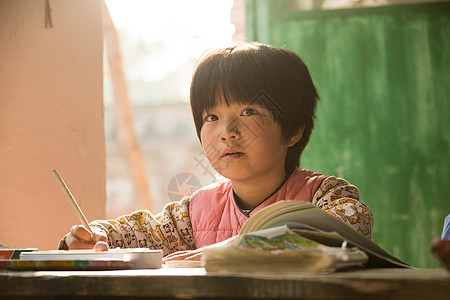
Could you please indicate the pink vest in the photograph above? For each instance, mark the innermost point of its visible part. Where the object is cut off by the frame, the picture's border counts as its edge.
(215, 216)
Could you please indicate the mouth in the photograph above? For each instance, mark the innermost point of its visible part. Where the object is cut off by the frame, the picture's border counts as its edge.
(231, 153)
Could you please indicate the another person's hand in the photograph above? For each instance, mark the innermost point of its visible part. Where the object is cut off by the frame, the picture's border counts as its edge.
(81, 238)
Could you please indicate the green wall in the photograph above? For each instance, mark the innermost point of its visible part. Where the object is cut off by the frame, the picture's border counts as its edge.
(383, 121)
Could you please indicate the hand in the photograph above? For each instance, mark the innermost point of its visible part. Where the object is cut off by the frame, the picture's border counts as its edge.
(195, 255)
(192, 255)
(81, 238)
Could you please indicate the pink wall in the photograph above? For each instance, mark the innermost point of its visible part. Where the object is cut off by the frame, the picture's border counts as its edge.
(51, 117)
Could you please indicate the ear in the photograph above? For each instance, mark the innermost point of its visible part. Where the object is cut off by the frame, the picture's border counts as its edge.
(296, 137)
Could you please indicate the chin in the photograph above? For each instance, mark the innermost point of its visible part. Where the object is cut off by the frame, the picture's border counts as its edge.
(233, 171)
(235, 175)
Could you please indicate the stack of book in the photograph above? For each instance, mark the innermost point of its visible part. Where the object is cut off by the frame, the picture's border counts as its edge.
(113, 259)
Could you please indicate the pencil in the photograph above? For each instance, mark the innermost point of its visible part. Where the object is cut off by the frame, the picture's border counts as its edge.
(72, 201)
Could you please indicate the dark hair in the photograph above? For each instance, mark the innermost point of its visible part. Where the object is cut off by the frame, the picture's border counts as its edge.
(256, 73)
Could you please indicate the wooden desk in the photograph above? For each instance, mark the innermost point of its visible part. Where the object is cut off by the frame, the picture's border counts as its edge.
(190, 283)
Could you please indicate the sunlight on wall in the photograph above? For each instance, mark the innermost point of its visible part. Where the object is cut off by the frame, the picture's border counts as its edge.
(162, 40)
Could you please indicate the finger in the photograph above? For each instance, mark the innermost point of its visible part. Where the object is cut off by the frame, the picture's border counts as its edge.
(185, 255)
(74, 243)
(195, 257)
(188, 256)
(100, 235)
(176, 255)
(101, 246)
(80, 232)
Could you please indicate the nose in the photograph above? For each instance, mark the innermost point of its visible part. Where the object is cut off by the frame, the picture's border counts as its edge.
(230, 132)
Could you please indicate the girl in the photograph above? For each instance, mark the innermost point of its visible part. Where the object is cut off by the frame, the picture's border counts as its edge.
(253, 107)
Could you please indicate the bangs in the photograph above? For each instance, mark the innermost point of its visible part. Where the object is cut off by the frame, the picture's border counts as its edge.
(223, 77)
(227, 93)
(229, 82)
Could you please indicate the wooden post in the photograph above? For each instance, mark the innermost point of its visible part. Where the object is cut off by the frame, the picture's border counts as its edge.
(125, 130)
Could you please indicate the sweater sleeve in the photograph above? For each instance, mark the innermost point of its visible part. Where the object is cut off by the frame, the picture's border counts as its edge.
(341, 199)
(170, 230)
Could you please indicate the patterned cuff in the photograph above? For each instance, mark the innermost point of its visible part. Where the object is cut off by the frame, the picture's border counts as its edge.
(62, 244)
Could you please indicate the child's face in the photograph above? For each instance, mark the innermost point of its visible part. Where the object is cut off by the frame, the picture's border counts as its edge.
(243, 142)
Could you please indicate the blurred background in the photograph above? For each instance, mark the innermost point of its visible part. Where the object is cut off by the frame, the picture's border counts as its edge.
(381, 68)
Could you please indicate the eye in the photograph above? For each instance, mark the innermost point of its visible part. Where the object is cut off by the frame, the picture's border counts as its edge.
(211, 118)
(249, 112)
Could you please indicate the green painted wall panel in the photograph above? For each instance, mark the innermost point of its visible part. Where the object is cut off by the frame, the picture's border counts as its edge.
(383, 121)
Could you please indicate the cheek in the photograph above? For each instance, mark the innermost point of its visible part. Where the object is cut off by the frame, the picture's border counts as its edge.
(275, 145)
(207, 136)
(268, 132)
(203, 135)
(209, 145)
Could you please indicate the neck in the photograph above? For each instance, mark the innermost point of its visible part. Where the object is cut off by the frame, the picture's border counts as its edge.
(252, 192)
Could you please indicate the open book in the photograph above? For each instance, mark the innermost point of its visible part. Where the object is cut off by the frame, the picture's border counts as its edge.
(130, 258)
(294, 236)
